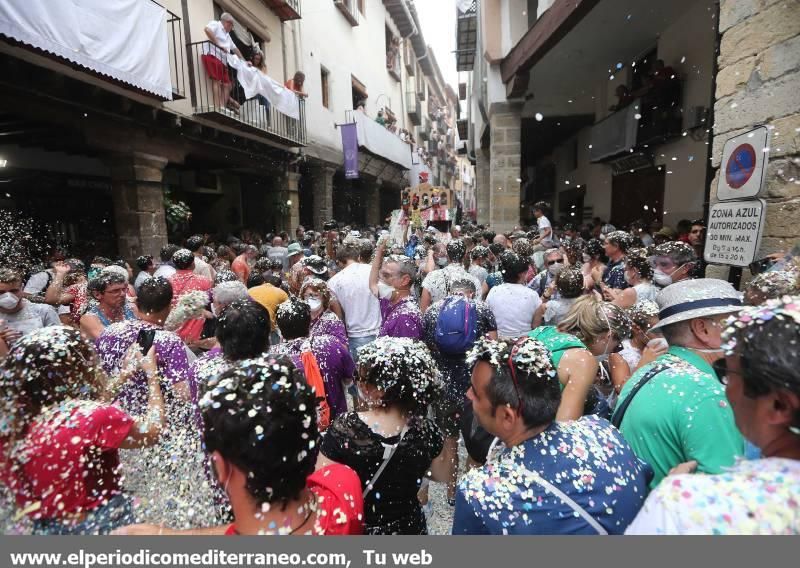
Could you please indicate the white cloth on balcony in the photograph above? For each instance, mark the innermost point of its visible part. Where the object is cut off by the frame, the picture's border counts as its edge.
(256, 83)
(123, 39)
(381, 142)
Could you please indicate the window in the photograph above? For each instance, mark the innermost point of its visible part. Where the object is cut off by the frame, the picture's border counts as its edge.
(325, 78)
(359, 92)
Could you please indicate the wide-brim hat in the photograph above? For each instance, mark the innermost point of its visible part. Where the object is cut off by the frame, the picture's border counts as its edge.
(692, 299)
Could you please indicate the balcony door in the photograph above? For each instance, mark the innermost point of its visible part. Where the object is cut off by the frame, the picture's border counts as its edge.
(638, 195)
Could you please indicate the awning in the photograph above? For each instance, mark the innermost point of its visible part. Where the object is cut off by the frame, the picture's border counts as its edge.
(122, 39)
(379, 141)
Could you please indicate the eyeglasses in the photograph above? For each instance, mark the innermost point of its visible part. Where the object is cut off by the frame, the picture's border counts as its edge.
(552, 262)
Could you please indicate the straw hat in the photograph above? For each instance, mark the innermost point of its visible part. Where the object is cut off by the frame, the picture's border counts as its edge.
(691, 299)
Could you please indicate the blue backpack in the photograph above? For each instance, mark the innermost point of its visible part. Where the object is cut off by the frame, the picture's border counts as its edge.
(456, 326)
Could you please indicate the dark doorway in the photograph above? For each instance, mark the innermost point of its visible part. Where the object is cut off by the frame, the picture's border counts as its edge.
(638, 195)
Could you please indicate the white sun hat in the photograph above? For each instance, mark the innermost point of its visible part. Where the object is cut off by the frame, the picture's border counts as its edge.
(699, 298)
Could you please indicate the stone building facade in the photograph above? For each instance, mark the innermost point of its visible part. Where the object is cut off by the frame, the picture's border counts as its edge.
(758, 82)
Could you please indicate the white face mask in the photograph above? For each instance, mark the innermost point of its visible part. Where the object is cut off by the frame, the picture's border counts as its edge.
(385, 291)
(314, 303)
(554, 269)
(8, 301)
(661, 278)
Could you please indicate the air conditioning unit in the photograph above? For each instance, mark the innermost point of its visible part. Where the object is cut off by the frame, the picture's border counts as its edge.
(696, 117)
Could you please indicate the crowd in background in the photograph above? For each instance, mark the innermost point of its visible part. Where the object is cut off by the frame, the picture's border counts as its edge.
(594, 380)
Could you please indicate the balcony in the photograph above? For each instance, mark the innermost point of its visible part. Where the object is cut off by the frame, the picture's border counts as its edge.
(414, 108)
(285, 9)
(255, 115)
(466, 37)
(379, 141)
(349, 9)
(651, 120)
(69, 32)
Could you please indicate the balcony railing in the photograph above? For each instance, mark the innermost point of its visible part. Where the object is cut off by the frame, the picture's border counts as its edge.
(256, 114)
(349, 9)
(414, 108)
(285, 9)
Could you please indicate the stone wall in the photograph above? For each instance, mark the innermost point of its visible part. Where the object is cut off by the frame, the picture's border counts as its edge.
(504, 167)
(758, 82)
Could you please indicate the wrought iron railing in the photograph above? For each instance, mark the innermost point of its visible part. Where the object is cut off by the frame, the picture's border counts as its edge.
(226, 101)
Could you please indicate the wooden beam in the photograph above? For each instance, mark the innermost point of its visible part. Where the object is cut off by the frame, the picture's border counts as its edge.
(548, 30)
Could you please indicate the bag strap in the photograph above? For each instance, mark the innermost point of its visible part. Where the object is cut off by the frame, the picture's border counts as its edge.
(570, 502)
(619, 413)
(388, 452)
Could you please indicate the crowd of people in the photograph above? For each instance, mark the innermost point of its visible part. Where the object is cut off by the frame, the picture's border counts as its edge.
(317, 383)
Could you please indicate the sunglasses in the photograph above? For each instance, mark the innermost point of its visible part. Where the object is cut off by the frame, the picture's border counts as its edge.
(513, 369)
(552, 262)
(721, 369)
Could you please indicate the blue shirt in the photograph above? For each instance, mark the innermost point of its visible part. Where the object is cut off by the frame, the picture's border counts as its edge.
(587, 459)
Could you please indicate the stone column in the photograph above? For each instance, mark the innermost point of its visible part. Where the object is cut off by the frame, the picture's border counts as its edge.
(504, 175)
(322, 187)
(372, 189)
(138, 200)
(758, 80)
(293, 187)
(482, 193)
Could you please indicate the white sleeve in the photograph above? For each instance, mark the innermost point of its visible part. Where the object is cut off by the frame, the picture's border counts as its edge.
(655, 517)
(36, 283)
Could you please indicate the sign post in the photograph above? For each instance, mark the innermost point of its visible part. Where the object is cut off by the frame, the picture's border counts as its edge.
(736, 223)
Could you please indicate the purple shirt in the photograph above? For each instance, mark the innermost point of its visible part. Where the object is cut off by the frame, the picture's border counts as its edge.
(171, 357)
(402, 319)
(334, 360)
(328, 324)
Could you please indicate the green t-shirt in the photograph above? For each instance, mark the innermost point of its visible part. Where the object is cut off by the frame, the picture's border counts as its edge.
(557, 342)
(681, 414)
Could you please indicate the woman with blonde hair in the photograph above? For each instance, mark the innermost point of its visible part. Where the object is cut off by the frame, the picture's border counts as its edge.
(589, 332)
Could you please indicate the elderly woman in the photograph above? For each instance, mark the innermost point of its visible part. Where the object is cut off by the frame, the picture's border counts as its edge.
(763, 387)
(324, 321)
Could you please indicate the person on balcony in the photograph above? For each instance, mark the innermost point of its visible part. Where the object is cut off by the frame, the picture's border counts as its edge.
(214, 58)
(296, 84)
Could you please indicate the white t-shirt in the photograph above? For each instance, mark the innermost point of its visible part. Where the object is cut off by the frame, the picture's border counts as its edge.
(164, 271)
(222, 38)
(513, 306)
(362, 312)
(438, 282)
(544, 223)
(31, 317)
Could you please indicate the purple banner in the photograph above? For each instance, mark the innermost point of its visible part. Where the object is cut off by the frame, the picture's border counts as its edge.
(350, 148)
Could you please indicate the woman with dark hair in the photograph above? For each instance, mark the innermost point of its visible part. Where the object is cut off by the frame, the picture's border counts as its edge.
(762, 384)
(60, 435)
(391, 445)
(261, 433)
(544, 476)
(592, 261)
(324, 321)
(242, 331)
(589, 332)
(513, 303)
(638, 275)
